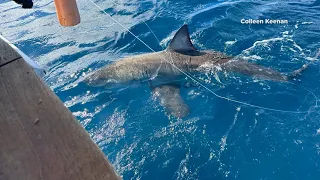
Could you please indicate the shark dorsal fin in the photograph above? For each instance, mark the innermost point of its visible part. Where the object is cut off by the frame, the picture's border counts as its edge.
(181, 41)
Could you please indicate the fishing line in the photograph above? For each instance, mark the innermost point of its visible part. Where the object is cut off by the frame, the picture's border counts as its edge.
(151, 31)
(194, 78)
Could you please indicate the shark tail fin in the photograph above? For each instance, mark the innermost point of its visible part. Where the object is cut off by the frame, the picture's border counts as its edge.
(298, 72)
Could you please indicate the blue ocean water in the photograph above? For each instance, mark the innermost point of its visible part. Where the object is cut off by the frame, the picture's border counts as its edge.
(219, 139)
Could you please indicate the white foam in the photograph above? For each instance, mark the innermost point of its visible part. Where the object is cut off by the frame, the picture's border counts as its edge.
(164, 42)
(223, 141)
(264, 42)
(291, 49)
(252, 57)
(229, 43)
(307, 22)
(297, 46)
(209, 7)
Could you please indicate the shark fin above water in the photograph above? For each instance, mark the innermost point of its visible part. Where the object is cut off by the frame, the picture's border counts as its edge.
(170, 98)
(181, 41)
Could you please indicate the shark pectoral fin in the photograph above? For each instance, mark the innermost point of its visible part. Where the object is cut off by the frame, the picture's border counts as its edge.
(170, 98)
(181, 41)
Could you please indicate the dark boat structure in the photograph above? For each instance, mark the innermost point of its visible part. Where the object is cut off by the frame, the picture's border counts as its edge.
(39, 137)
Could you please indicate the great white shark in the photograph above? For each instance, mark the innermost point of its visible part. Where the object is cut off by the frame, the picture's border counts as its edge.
(163, 70)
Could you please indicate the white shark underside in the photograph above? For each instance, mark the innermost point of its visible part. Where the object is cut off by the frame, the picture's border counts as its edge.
(163, 70)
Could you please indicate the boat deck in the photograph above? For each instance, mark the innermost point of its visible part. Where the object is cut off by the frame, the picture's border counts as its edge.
(39, 137)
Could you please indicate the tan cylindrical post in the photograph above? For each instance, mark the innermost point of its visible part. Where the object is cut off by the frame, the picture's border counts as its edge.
(67, 12)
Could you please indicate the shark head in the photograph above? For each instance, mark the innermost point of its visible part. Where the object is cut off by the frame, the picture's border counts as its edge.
(104, 77)
(95, 80)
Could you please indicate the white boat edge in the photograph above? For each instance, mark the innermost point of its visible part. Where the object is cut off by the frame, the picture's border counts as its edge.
(37, 69)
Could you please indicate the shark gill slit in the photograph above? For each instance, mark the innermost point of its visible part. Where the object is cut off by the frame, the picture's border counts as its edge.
(194, 78)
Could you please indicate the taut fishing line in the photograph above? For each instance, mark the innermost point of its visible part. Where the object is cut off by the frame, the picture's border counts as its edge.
(194, 78)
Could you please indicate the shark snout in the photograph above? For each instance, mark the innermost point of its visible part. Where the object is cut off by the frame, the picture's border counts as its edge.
(95, 81)
(98, 80)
